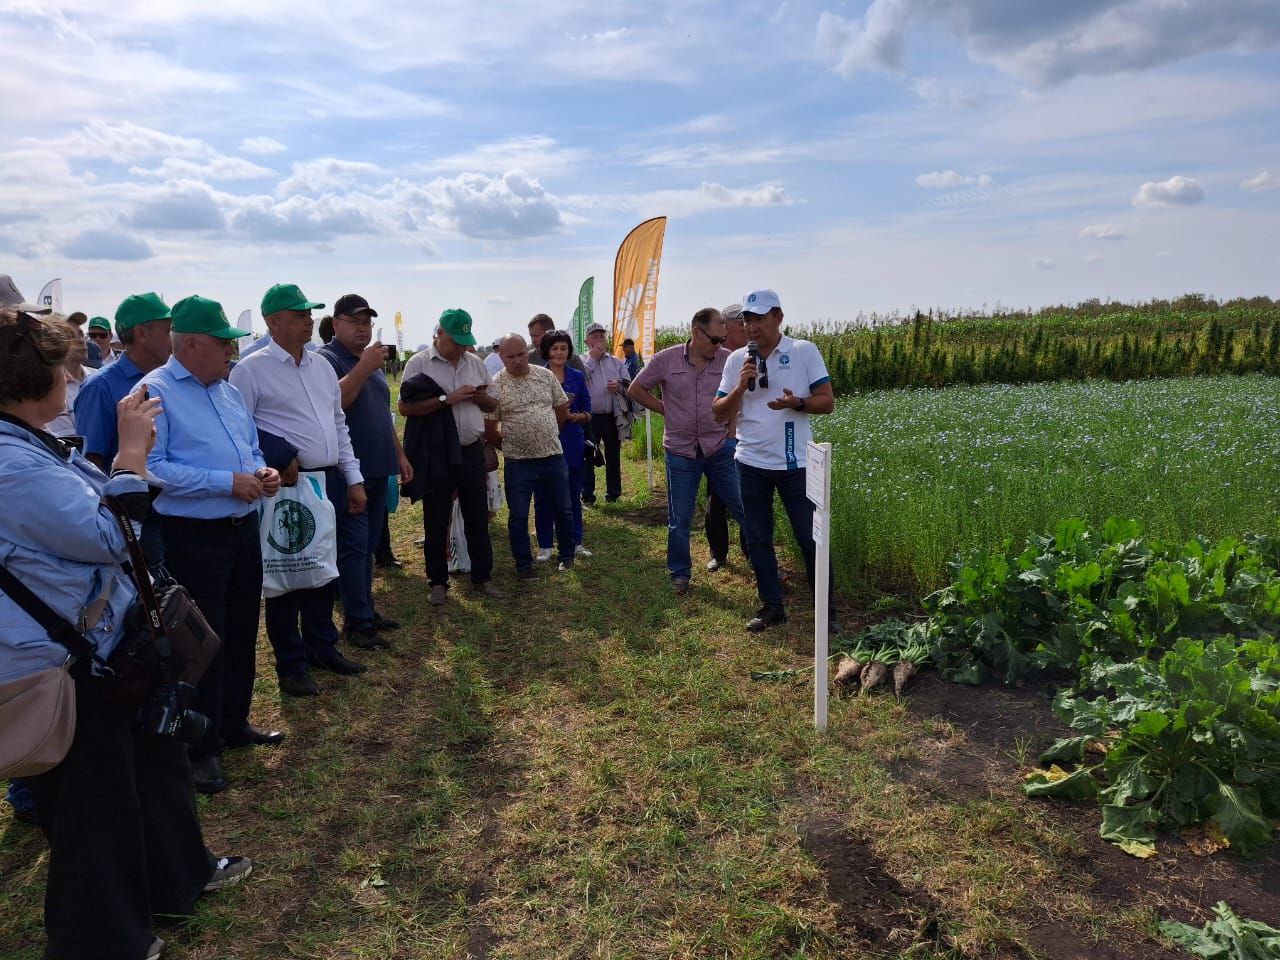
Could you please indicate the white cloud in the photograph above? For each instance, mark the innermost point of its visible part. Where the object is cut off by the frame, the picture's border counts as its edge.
(221, 167)
(1266, 180)
(181, 205)
(949, 180)
(106, 245)
(1042, 263)
(1102, 231)
(1048, 43)
(301, 218)
(511, 206)
(125, 142)
(499, 300)
(536, 155)
(704, 198)
(324, 175)
(261, 146)
(1092, 258)
(1176, 191)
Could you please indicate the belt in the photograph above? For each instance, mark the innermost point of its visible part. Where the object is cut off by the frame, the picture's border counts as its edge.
(214, 522)
(472, 446)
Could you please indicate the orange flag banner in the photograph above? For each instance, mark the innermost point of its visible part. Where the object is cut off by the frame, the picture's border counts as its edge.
(635, 286)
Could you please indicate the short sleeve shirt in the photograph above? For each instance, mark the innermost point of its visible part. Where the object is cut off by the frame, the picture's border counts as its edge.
(369, 419)
(526, 410)
(95, 406)
(688, 392)
(470, 371)
(776, 439)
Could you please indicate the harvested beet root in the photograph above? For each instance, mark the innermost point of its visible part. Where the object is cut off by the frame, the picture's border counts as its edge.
(903, 673)
(847, 672)
(875, 674)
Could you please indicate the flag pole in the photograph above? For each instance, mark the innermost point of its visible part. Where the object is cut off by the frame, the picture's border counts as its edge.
(648, 443)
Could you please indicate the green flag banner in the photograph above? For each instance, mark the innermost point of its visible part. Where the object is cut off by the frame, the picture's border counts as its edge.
(582, 315)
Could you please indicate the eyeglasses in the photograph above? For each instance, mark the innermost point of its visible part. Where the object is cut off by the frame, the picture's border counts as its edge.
(715, 341)
(99, 335)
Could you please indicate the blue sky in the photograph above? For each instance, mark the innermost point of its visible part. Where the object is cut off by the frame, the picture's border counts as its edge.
(855, 156)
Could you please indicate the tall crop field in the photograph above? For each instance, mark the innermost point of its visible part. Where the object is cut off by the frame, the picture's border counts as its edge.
(920, 474)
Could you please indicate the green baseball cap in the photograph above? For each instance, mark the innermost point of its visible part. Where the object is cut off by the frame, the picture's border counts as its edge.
(202, 315)
(100, 323)
(457, 324)
(139, 309)
(286, 296)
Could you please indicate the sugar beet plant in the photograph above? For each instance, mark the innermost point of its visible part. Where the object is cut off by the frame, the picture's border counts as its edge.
(1170, 666)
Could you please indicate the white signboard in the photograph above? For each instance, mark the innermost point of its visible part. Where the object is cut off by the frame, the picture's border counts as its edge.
(818, 489)
(818, 475)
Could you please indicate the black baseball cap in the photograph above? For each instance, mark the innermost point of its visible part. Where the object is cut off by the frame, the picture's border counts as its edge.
(352, 303)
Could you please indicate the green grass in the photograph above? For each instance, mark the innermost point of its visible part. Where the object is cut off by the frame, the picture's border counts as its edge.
(921, 474)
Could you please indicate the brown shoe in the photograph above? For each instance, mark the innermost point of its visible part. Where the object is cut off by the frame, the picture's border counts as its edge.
(439, 594)
(680, 585)
(487, 589)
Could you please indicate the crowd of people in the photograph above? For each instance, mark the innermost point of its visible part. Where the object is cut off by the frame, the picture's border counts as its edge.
(197, 437)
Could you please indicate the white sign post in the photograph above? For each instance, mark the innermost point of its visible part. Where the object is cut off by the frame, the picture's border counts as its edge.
(818, 490)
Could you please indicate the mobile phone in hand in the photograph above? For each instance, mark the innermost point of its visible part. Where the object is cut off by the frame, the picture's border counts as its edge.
(379, 335)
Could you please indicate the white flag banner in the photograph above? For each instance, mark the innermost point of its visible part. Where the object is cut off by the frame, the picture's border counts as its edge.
(245, 321)
(51, 295)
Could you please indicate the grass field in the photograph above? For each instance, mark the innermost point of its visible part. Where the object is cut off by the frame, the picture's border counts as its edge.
(920, 474)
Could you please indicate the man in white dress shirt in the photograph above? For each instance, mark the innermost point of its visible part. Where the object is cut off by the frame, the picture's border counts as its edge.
(296, 404)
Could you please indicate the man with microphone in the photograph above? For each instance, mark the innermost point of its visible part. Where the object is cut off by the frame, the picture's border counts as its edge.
(772, 386)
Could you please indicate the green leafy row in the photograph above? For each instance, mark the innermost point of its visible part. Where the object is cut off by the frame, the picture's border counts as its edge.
(1169, 663)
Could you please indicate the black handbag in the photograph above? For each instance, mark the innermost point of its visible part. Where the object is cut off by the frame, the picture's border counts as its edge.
(173, 634)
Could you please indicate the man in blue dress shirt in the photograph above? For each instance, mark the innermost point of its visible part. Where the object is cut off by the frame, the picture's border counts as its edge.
(207, 454)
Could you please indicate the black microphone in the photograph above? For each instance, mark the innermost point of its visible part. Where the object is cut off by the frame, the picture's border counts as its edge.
(754, 357)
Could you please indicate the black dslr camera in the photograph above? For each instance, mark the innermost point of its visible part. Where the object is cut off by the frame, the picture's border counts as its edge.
(168, 713)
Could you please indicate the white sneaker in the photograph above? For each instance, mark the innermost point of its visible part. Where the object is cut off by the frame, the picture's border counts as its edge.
(581, 551)
(543, 555)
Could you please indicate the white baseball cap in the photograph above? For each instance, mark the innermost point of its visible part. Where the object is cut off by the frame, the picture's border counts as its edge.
(760, 301)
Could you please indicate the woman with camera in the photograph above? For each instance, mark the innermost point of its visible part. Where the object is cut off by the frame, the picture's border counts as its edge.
(119, 811)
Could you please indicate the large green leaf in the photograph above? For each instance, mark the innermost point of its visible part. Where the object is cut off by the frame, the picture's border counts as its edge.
(1132, 829)
(1079, 785)
(1239, 814)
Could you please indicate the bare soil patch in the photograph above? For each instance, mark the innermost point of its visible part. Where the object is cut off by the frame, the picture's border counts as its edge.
(997, 725)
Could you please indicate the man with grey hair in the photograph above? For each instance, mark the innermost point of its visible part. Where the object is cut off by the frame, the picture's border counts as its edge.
(206, 453)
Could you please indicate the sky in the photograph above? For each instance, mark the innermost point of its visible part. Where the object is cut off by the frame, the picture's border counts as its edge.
(856, 157)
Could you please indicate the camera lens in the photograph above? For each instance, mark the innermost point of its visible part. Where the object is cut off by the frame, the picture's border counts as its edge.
(193, 727)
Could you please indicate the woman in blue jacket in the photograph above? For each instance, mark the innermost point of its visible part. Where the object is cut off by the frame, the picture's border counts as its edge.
(557, 347)
(119, 811)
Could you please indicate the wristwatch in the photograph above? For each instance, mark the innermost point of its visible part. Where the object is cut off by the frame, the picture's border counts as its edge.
(799, 407)
(444, 399)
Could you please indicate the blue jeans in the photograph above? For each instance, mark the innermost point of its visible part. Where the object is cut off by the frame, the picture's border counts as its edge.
(544, 516)
(758, 487)
(550, 477)
(19, 796)
(684, 476)
(358, 538)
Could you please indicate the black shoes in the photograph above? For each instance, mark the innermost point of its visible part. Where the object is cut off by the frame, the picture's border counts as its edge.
(299, 685)
(680, 585)
(365, 638)
(387, 559)
(207, 775)
(335, 662)
(252, 736)
(384, 623)
(765, 618)
(527, 574)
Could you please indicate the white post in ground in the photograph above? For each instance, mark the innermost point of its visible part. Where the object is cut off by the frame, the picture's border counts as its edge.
(818, 490)
(648, 443)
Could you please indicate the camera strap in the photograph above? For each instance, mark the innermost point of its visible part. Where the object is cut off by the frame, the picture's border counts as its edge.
(39, 611)
(137, 569)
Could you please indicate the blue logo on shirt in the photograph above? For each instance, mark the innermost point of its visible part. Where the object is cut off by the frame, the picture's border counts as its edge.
(790, 431)
(784, 359)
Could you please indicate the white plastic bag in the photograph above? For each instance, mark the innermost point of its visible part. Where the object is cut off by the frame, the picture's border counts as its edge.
(459, 558)
(494, 490)
(299, 535)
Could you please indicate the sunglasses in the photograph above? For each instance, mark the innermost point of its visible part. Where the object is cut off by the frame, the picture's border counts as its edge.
(715, 341)
(99, 335)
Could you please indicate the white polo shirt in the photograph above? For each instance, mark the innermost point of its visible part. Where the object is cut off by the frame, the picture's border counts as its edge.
(775, 439)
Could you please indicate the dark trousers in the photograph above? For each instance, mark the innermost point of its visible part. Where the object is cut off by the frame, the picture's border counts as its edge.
(550, 476)
(358, 536)
(605, 430)
(384, 553)
(220, 564)
(124, 835)
(469, 482)
(716, 524)
(758, 487)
